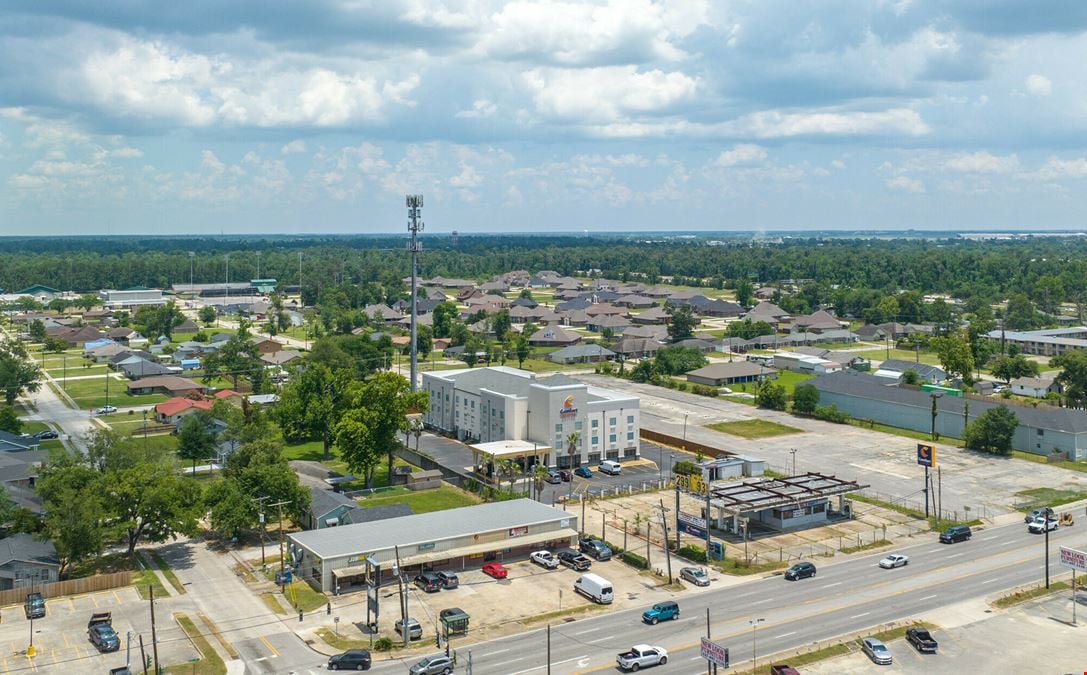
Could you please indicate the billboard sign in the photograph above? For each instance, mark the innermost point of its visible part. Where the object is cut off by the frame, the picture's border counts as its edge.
(926, 455)
(692, 525)
(1073, 559)
(714, 653)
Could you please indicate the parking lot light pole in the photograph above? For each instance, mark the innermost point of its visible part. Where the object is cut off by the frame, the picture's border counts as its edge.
(685, 431)
(1046, 519)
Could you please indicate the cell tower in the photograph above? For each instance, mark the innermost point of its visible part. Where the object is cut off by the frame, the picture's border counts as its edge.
(455, 237)
(415, 226)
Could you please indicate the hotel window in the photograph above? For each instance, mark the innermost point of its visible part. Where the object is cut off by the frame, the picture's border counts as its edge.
(577, 426)
(611, 438)
(596, 440)
(630, 419)
(611, 421)
(558, 428)
(473, 405)
(596, 423)
(630, 435)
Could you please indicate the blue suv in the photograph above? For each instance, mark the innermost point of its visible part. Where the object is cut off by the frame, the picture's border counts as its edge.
(662, 611)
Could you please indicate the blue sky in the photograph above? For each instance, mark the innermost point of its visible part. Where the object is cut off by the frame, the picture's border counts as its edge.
(278, 116)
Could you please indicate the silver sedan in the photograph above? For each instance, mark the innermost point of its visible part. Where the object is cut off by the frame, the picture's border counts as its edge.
(894, 560)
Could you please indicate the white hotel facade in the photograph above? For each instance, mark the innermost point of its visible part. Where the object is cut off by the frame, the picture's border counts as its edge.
(484, 405)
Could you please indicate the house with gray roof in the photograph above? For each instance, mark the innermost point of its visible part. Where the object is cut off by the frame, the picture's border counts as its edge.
(1042, 429)
(26, 561)
(550, 336)
(927, 373)
(590, 353)
(329, 508)
(9, 442)
(722, 374)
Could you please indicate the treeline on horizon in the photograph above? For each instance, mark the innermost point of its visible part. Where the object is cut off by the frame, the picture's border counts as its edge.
(1054, 266)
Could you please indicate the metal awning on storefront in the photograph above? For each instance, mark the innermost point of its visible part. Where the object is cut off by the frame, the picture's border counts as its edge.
(487, 547)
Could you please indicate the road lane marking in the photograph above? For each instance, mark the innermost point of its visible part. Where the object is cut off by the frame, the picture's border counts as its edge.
(500, 651)
(1006, 543)
(784, 635)
(554, 663)
(857, 616)
(836, 583)
(990, 581)
(929, 597)
(759, 602)
(503, 663)
(610, 637)
(267, 644)
(995, 536)
(590, 630)
(956, 555)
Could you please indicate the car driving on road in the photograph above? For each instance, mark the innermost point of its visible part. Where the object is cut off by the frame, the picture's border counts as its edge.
(955, 533)
(695, 575)
(877, 651)
(1041, 524)
(801, 570)
(894, 560)
(433, 665)
(1038, 513)
(352, 659)
(642, 656)
(105, 410)
(662, 611)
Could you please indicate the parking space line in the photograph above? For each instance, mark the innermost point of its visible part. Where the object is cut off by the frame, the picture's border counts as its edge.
(990, 581)
(929, 597)
(117, 598)
(94, 600)
(68, 644)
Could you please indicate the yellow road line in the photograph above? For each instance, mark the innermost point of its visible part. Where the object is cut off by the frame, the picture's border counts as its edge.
(66, 642)
(745, 632)
(269, 646)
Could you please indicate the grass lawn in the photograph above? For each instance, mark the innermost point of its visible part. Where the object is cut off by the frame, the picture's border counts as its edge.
(906, 433)
(92, 393)
(1040, 459)
(754, 428)
(786, 378)
(544, 366)
(32, 427)
(142, 577)
(1040, 497)
(314, 451)
(167, 572)
(1022, 596)
(209, 663)
(423, 501)
(880, 355)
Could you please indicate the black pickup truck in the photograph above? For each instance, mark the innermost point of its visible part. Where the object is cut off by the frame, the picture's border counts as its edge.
(922, 640)
(101, 634)
(574, 560)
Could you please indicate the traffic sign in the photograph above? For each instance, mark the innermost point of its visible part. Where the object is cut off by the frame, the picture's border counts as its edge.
(714, 653)
(1073, 559)
(926, 455)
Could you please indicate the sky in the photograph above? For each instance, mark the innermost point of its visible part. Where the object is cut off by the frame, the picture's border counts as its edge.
(277, 116)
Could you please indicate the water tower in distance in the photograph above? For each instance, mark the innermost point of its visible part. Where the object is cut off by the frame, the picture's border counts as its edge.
(455, 236)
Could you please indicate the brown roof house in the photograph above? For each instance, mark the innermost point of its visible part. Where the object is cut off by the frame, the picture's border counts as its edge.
(636, 348)
(551, 336)
(170, 385)
(654, 316)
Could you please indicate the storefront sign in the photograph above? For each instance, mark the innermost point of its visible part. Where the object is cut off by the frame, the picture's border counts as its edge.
(714, 653)
(568, 409)
(926, 455)
(426, 547)
(518, 531)
(1073, 559)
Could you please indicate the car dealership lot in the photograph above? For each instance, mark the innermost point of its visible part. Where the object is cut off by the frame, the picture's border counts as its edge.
(60, 638)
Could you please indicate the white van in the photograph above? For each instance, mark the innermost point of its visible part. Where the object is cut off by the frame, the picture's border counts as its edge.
(612, 467)
(594, 587)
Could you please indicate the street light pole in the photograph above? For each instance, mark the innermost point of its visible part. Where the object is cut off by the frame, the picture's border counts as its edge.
(754, 654)
(793, 452)
(685, 430)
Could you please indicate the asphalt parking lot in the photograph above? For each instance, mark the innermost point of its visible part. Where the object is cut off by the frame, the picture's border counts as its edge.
(60, 638)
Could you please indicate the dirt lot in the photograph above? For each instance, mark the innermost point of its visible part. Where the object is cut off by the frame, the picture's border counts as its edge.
(61, 637)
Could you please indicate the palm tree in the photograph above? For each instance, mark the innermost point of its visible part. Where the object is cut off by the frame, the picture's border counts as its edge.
(572, 439)
(539, 472)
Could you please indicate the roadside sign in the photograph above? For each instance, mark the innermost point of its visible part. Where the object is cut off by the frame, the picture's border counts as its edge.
(1073, 559)
(714, 653)
(926, 455)
(717, 550)
(692, 525)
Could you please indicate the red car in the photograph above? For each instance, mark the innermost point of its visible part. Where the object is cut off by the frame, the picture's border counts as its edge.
(495, 570)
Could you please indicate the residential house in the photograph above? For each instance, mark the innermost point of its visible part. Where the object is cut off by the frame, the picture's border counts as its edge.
(27, 561)
(496, 286)
(723, 374)
(656, 292)
(816, 322)
(704, 306)
(495, 301)
(1036, 387)
(467, 294)
(895, 368)
(76, 336)
(174, 410)
(266, 345)
(105, 351)
(704, 346)
(436, 294)
(574, 317)
(186, 327)
(524, 302)
(381, 312)
(765, 293)
(331, 509)
(576, 303)
(648, 332)
(654, 316)
(283, 356)
(124, 336)
(768, 312)
(610, 322)
(170, 385)
(734, 345)
(803, 363)
(135, 367)
(589, 353)
(9, 442)
(605, 309)
(551, 336)
(636, 348)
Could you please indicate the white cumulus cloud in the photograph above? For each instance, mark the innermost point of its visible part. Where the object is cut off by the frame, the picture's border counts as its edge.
(608, 93)
(906, 184)
(741, 154)
(294, 147)
(982, 162)
(1039, 85)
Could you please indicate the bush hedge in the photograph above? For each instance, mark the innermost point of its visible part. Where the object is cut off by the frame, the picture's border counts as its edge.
(692, 552)
(635, 560)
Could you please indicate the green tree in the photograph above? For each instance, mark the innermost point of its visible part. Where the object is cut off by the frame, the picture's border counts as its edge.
(230, 511)
(154, 321)
(522, 349)
(955, 356)
(885, 310)
(357, 446)
(73, 498)
(208, 314)
(500, 324)
(382, 404)
(744, 292)
(445, 313)
(747, 330)
(9, 421)
(195, 440)
(17, 373)
(771, 396)
(1073, 376)
(423, 341)
(911, 377)
(526, 293)
(37, 330)
(572, 440)
(1020, 313)
(645, 371)
(992, 431)
(678, 360)
(682, 323)
(152, 502)
(237, 357)
(1009, 368)
(312, 402)
(805, 399)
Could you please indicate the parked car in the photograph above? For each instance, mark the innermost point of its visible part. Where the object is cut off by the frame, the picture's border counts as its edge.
(553, 477)
(1041, 524)
(46, 435)
(594, 587)
(352, 659)
(877, 651)
(544, 559)
(429, 582)
(574, 560)
(801, 570)
(611, 467)
(955, 533)
(662, 611)
(1037, 513)
(105, 410)
(495, 570)
(922, 640)
(783, 669)
(438, 664)
(642, 656)
(449, 579)
(695, 575)
(565, 476)
(595, 548)
(34, 606)
(101, 634)
(894, 560)
(415, 631)
(584, 472)
(123, 670)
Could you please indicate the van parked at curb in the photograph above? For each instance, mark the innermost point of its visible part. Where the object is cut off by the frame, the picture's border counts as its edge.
(594, 587)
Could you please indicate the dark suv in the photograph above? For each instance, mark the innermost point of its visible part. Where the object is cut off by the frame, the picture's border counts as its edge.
(449, 579)
(955, 533)
(429, 582)
(801, 570)
(352, 659)
(595, 548)
(574, 560)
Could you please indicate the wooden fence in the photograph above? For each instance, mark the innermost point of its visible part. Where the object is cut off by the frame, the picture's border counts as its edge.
(99, 582)
(688, 445)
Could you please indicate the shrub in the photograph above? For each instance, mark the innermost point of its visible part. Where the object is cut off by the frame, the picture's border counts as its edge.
(681, 386)
(634, 560)
(691, 552)
(704, 390)
(383, 644)
(686, 468)
(830, 414)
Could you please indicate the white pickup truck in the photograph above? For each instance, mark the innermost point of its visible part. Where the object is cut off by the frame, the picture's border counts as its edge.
(1041, 524)
(544, 559)
(642, 656)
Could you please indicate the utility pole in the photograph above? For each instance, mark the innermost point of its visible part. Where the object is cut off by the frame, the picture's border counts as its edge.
(143, 656)
(677, 515)
(548, 649)
(709, 666)
(282, 555)
(226, 288)
(192, 254)
(154, 635)
(402, 586)
(667, 552)
(707, 522)
(1046, 519)
(754, 654)
(260, 505)
(793, 452)
(415, 226)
